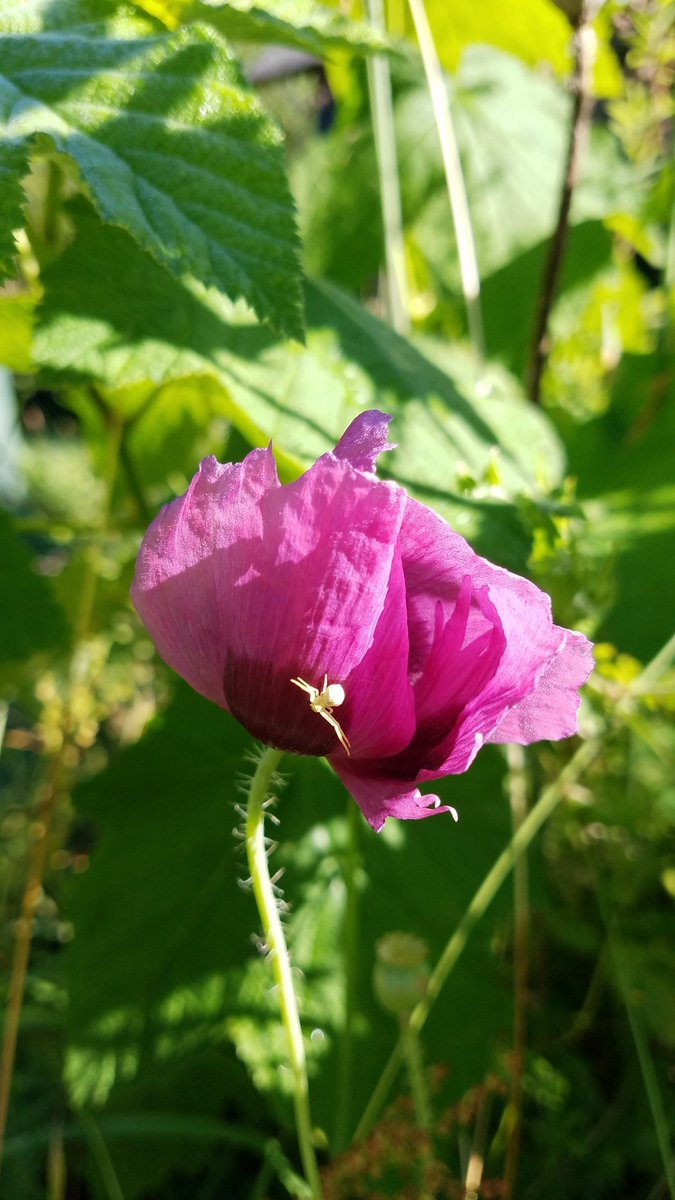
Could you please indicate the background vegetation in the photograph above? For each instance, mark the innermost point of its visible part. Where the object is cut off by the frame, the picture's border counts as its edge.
(163, 300)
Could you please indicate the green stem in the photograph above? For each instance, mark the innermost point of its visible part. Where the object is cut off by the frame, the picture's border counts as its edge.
(416, 1077)
(517, 791)
(281, 964)
(421, 1102)
(579, 131)
(646, 1062)
(498, 873)
(350, 953)
(382, 112)
(454, 177)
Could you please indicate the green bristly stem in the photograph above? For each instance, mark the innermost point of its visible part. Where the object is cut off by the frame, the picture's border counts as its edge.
(263, 891)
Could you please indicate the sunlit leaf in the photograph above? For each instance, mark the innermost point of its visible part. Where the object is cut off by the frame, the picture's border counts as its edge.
(146, 327)
(307, 24)
(535, 31)
(172, 146)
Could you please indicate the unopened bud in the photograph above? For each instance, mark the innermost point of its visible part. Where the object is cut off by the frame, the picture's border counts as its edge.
(401, 972)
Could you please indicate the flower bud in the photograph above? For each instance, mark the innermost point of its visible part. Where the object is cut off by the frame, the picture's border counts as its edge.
(401, 972)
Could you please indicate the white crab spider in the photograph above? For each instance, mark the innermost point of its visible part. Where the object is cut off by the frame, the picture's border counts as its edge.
(323, 701)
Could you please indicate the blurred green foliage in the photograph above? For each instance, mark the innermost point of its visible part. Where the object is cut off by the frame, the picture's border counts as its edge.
(144, 199)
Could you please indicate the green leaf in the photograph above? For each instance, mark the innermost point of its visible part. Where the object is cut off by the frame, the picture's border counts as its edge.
(13, 164)
(624, 463)
(535, 31)
(450, 423)
(17, 311)
(304, 23)
(172, 146)
(31, 621)
(512, 128)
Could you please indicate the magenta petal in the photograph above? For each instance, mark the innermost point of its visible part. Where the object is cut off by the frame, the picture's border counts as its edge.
(262, 596)
(180, 589)
(310, 601)
(364, 440)
(382, 798)
(459, 667)
(550, 710)
(435, 561)
(379, 713)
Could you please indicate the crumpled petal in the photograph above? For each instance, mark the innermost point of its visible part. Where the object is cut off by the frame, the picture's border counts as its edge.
(435, 560)
(550, 709)
(382, 798)
(311, 600)
(364, 440)
(180, 588)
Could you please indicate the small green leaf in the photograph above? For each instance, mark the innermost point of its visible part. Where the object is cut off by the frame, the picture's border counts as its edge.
(13, 165)
(172, 146)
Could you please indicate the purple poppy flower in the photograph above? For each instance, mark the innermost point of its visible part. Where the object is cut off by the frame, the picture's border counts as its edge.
(337, 616)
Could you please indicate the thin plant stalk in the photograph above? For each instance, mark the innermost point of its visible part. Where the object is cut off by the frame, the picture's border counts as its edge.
(419, 1090)
(51, 793)
(454, 177)
(517, 792)
(585, 42)
(416, 1076)
(24, 933)
(476, 1165)
(496, 876)
(256, 851)
(382, 111)
(644, 1057)
(350, 962)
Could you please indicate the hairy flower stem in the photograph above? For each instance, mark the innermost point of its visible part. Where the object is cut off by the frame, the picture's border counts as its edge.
(256, 852)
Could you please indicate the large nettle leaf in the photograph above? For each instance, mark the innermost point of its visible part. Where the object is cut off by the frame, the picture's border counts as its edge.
(307, 24)
(139, 1021)
(170, 142)
(452, 421)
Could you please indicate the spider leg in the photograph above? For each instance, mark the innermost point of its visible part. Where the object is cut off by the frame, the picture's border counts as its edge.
(312, 692)
(342, 736)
